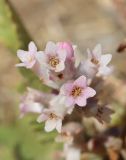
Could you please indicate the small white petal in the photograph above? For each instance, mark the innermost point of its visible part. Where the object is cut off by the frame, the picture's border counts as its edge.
(50, 48)
(70, 109)
(105, 71)
(20, 65)
(105, 59)
(97, 51)
(22, 55)
(89, 53)
(62, 55)
(50, 125)
(32, 47)
(59, 125)
(60, 67)
(41, 57)
(35, 107)
(51, 84)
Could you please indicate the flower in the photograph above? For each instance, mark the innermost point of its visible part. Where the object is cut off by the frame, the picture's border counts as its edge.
(99, 61)
(34, 101)
(77, 92)
(53, 121)
(27, 58)
(30, 102)
(54, 57)
(31, 59)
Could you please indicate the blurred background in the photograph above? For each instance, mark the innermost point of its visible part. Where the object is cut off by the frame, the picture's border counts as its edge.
(83, 22)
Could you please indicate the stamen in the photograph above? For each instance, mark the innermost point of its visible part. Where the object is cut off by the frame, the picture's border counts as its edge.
(95, 61)
(53, 61)
(52, 115)
(30, 59)
(76, 91)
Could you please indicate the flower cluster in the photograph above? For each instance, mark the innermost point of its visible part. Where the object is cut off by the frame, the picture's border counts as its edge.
(75, 88)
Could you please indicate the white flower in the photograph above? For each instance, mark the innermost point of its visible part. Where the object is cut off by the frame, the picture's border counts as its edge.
(52, 120)
(31, 60)
(96, 64)
(27, 58)
(54, 57)
(99, 61)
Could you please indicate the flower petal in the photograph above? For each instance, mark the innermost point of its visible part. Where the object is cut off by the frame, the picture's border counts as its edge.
(81, 101)
(51, 48)
(105, 59)
(60, 67)
(41, 57)
(62, 54)
(22, 55)
(43, 117)
(89, 53)
(89, 92)
(20, 65)
(81, 81)
(97, 51)
(105, 71)
(50, 125)
(32, 47)
(70, 101)
(35, 107)
(59, 125)
(67, 47)
(66, 88)
(30, 64)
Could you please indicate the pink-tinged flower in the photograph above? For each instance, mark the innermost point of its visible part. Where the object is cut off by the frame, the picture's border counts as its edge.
(27, 58)
(77, 92)
(31, 59)
(53, 57)
(34, 101)
(98, 61)
(68, 48)
(52, 120)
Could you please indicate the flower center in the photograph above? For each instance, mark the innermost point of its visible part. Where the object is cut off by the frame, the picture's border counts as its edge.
(30, 59)
(52, 115)
(53, 61)
(76, 91)
(95, 61)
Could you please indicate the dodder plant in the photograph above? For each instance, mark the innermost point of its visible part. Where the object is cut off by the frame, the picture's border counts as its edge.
(76, 88)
